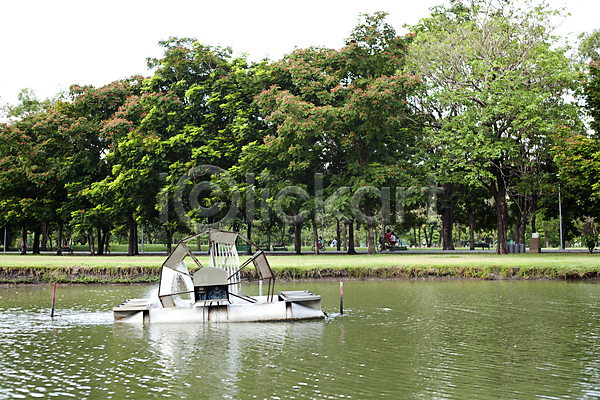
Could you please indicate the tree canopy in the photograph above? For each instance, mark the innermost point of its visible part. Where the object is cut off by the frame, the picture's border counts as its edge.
(479, 95)
(493, 93)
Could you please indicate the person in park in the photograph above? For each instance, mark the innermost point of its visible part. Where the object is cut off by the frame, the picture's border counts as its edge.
(390, 238)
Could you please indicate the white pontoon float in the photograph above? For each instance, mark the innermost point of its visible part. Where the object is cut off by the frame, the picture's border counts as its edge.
(212, 293)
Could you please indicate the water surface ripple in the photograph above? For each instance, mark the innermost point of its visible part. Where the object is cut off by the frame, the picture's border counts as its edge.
(396, 339)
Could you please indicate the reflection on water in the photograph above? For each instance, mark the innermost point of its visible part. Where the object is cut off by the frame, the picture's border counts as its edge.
(396, 339)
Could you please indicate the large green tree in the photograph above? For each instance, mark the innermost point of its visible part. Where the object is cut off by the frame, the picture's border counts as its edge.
(342, 113)
(92, 205)
(494, 86)
(592, 94)
(32, 164)
(197, 109)
(20, 202)
(577, 153)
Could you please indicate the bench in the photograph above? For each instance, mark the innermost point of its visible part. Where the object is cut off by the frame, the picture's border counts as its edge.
(395, 248)
(243, 248)
(67, 249)
(482, 245)
(279, 248)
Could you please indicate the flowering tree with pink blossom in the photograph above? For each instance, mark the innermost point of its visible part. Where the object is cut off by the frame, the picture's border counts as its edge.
(342, 113)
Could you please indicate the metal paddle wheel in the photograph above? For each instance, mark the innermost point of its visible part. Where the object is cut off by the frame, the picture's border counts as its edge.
(213, 292)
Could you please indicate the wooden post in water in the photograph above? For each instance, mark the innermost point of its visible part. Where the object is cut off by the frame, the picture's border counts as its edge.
(53, 299)
(342, 297)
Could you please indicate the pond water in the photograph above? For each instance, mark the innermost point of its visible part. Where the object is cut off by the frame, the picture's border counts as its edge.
(396, 339)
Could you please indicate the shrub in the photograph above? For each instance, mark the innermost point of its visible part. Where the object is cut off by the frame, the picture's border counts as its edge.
(590, 241)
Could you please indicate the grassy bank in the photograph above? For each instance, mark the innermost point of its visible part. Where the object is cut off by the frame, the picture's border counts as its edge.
(120, 269)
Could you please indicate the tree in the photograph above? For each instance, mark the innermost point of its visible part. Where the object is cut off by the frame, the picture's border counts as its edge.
(493, 83)
(593, 95)
(589, 46)
(196, 110)
(30, 176)
(29, 104)
(91, 204)
(589, 51)
(63, 152)
(476, 211)
(21, 201)
(343, 113)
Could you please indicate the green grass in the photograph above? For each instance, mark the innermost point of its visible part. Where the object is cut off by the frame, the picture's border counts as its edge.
(482, 265)
(123, 247)
(396, 265)
(151, 248)
(48, 261)
(545, 260)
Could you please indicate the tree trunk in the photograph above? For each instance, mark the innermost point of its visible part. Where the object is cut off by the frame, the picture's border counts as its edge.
(501, 222)
(36, 239)
(351, 249)
(448, 216)
(23, 240)
(371, 239)
(546, 237)
(534, 202)
(169, 241)
(44, 243)
(131, 241)
(298, 234)
(90, 236)
(60, 239)
(371, 249)
(498, 190)
(446, 231)
(107, 241)
(268, 239)
(345, 236)
(100, 251)
(518, 227)
(521, 223)
(524, 229)
(337, 237)
(419, 244)
(414, 235)
(471, 229)
(135, 239)
(315, 236)
(524, 220)
(249, 231)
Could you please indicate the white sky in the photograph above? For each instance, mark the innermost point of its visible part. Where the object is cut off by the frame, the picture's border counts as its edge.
(49, 45)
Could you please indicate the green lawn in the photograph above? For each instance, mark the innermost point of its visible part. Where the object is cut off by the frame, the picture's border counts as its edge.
(544, 260)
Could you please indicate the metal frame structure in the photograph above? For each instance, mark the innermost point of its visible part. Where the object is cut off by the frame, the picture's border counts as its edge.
(223, 255)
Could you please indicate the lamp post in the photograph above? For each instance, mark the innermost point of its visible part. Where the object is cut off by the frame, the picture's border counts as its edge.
(560, 217)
